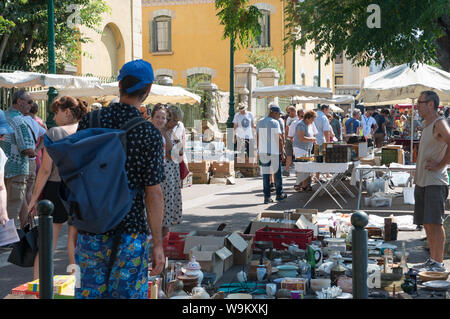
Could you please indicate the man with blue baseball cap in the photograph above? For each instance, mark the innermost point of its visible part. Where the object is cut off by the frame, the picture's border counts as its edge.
(270, 148)
(5, 129)
(145, 173)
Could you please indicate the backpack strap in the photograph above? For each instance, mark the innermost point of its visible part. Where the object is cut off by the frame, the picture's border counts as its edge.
(114, 250)
(128, 126)
(94, 118)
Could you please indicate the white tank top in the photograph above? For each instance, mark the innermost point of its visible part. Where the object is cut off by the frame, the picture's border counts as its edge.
(430, 148)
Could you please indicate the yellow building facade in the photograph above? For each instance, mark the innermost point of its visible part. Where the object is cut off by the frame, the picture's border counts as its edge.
(183, 38)
(119, 40)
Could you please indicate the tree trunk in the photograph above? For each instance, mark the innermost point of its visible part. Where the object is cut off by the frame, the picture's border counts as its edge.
(3, 46)
(443, 44)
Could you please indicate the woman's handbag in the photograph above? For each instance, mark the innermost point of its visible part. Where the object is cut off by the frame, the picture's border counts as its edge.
(24, 252)
(184, 171)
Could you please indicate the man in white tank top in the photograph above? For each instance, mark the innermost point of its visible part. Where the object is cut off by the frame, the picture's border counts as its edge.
(431, 179)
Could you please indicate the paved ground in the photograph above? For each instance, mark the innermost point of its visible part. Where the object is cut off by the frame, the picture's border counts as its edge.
(207, 206)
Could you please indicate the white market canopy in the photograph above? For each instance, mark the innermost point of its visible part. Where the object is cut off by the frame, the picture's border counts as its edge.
(20, 79)
(292, 90)
(109, 91)
(335, 99)
(401, 84)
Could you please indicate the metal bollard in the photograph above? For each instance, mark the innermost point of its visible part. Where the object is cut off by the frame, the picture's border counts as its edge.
(360, 258)
(45, 210)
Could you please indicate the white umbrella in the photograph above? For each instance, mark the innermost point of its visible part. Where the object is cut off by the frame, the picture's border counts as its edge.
(335, 99)
(291, 91)
(400, 84)
(403, 84)
(336, 109)
(20, 79)
(108, 91)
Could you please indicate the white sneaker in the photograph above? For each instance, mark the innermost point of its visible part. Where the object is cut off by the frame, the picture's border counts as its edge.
(423, 265)
(436, 266)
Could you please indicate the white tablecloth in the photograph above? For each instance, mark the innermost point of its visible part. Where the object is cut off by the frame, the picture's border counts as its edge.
(371, 173)
(323, 168)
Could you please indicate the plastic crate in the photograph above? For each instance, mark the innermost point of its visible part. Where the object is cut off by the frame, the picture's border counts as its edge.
(173, 245)
(300, 237)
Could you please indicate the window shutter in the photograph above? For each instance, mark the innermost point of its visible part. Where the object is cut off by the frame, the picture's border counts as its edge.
(169, 36)
(154, 36)
(150, 36)
(268, 30)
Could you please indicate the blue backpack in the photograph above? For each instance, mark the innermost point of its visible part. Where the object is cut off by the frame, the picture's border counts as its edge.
(91, 164)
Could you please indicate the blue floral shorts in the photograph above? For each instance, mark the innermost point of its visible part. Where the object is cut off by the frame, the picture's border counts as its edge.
(129, 275)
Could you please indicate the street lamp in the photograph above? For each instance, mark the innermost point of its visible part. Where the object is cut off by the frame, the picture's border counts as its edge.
(52, 93)
(231, 100)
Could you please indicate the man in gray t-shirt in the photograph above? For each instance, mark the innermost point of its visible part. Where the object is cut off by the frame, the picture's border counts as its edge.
(270, 146)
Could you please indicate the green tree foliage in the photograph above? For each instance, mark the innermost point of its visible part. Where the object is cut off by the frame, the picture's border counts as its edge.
(240, 21)
(23, 30)
(262, 59)
(410, 30)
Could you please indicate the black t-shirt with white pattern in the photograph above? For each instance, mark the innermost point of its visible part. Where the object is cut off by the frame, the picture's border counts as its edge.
(144, 165)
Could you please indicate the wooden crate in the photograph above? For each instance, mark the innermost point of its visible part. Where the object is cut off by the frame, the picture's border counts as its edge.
(201, 167)
(223, 168)
(200, 178)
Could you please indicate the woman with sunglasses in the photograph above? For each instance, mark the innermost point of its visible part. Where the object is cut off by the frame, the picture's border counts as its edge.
(68, 112)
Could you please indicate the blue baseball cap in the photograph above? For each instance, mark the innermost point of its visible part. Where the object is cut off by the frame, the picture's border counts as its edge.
(5, 128)
(276, 108)
(141, 70)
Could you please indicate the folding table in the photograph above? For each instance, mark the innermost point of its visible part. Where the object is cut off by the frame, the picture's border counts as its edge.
(337, 170)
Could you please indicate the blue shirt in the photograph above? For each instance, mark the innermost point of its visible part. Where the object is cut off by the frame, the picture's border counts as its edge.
(351, 126)
(380, 121)
(322, 125)
(268, 130)
(14, 144)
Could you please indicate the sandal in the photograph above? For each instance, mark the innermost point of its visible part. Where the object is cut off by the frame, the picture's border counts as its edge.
(298, 188)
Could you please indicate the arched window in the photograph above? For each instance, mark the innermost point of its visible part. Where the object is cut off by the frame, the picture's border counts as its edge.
(194, 79)
(161, 34)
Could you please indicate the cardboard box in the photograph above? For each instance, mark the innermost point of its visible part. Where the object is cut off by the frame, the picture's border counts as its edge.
(241, 247)
(310, 214)
(222, 168)
(213, 242)
(212, 258)
(200, 178)
(249, 171)
(295, 284)
(60, 283)
(199, 167)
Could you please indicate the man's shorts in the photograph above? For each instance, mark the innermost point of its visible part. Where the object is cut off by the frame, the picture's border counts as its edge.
(288, 148)
(430, 204)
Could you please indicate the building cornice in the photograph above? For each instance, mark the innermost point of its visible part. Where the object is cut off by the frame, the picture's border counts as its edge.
(154, 3)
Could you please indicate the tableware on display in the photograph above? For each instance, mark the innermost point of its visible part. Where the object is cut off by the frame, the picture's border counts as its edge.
(261, 271)
(437, 284)
(296, 294)
(193, 269)
(239, 296)
(200, 293)
(319, 284)
(242, 276)
(345, 295)
(271, 289)
(287, 270)
(432, 275)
